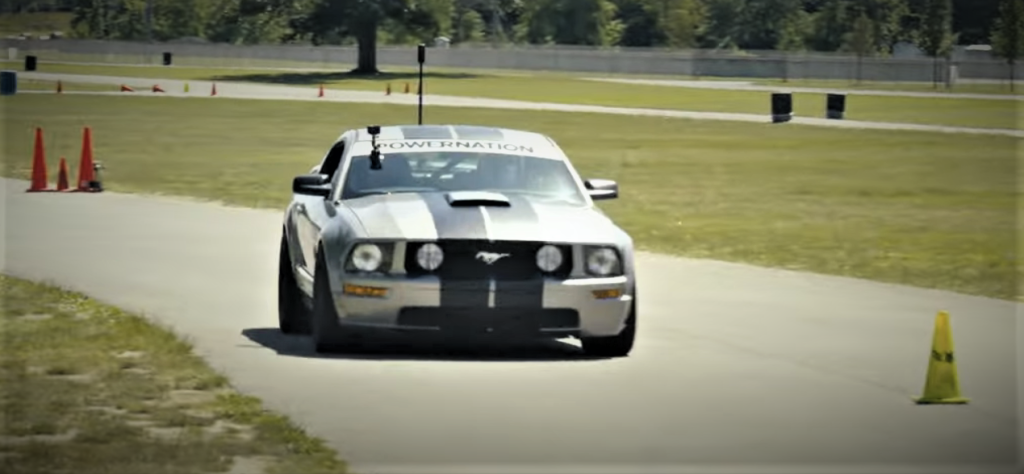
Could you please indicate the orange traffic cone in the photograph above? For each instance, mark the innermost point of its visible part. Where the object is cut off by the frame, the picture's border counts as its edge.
(85, 171)
(213, 91)
(387, 91)
(321, 90)
(62, 177)
(156, 88)
(38, 165)
(125, 88)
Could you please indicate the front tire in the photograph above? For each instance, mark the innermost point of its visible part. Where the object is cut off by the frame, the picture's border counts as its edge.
(619, 345)
(292, 314)
(327, 334)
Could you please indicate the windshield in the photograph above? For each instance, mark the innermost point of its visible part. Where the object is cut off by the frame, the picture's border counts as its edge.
(462, 171)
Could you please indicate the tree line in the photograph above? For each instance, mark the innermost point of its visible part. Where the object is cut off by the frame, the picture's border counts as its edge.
(864, 27)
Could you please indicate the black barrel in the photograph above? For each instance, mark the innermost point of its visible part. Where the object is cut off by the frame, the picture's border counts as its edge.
(8, 82)
(30, 63)
(782, 107)
(167, 59)
(835, 106)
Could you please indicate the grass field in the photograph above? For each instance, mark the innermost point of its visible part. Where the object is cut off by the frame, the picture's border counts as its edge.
(90, 388)
(926, 209)
(571, 90)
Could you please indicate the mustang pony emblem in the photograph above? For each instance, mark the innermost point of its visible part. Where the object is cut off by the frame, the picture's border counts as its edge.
(490, 257)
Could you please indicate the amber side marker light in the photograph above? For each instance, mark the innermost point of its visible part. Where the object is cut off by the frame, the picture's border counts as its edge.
(607, 294)
(369, 291)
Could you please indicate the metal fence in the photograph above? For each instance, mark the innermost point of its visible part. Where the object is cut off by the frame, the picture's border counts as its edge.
(644, 61)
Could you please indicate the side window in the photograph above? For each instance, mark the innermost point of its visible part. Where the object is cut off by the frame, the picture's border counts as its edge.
(333, 159)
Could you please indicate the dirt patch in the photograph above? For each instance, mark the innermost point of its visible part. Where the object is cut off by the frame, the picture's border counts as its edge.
(191, 397)
(250, 464)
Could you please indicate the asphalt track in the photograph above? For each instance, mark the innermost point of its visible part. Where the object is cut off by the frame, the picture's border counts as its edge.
(737, 369)
(243, 90)
(735, 365)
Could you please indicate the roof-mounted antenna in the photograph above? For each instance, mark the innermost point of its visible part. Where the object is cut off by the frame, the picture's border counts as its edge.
(375, 162)
(421, 57)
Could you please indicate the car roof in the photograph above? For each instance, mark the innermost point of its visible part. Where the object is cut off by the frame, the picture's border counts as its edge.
(532, 143)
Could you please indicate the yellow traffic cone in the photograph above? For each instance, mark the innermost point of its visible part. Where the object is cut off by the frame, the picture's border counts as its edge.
(942, 385)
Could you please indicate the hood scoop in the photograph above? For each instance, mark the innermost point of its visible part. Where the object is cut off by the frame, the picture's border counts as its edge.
(477, 198)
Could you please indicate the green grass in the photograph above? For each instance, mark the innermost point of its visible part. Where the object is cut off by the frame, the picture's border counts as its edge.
(925, 209)
(565, 89)
(37, 23)
(90, 388)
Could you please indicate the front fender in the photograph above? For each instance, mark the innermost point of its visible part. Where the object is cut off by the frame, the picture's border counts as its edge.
(337, 236)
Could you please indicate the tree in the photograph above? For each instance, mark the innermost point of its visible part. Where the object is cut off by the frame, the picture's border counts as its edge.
(571, 22)
(973, 19)
(1008, 34)
(361, 19)
(467, 25)
(679, 22)
(831, 24)
(937, 33)
(722, 25)
(765, 23)
(861, 40)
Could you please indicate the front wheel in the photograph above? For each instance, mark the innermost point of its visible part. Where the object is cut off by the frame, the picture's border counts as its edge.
(327, 333)
(619, 345)
(292, 314)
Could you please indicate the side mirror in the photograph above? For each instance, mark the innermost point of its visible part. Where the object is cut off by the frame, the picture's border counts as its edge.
(312, 185)
(601, 189)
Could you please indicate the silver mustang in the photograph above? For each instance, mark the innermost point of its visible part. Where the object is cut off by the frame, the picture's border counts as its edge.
(454, 229)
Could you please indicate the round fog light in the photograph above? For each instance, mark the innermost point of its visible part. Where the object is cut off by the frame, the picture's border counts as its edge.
(549, 258)
(429, 256)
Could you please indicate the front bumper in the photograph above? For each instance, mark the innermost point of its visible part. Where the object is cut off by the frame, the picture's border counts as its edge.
(552, 308)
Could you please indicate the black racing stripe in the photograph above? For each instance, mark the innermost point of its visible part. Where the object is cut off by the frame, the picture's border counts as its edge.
(464, 294)
(513, 222)
(528, 294)
(462, 223)
(472, 132)
(458, 223)
(426, 132)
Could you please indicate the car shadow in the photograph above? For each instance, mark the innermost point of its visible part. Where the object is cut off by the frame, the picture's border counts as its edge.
(314, 78)
(396, 347)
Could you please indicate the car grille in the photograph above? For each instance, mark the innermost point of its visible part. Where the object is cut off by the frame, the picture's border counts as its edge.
(498, 320)
(461, 262)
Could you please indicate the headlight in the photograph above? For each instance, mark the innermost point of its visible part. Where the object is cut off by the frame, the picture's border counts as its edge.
(429, 256)
(367, 257)
(549, 258)
(602, 262)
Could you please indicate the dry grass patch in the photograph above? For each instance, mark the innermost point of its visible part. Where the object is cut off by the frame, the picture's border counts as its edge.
(90, 388)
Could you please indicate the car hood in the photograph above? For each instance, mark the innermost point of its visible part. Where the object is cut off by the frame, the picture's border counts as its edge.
(429, 216)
